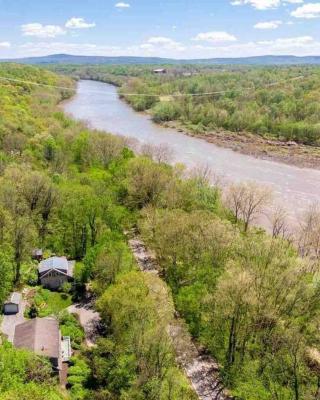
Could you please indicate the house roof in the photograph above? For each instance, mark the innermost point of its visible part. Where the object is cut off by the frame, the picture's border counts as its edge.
(60, 263)
(40, 335)
(59, 270)
(15, 298)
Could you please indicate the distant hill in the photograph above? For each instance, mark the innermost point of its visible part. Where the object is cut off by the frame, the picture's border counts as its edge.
(258, 60)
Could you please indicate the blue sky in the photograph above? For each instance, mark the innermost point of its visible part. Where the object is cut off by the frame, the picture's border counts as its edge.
(172, 28)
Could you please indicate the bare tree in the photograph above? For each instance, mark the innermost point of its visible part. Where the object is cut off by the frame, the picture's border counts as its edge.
(131, 143)
(205, 176)
(279, 223)
(247, 201)
(234, 199)
(161, 153)
(309, 232)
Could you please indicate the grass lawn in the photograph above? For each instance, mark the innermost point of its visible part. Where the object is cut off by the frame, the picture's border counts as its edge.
(47, 302)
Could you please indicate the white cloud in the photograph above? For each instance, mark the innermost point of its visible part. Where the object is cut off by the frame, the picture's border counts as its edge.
(79, 23)
(294, 1)
(163, 42)
(42, 31)
(5, 45)
(289, 43)
(307, 11)
(160, 40)
(45, 48)
(122, 5)
(268, 25)
(299, 46)
(51, 31)
(147, 46)
(258, 4)
(264, 4)
(215, 37)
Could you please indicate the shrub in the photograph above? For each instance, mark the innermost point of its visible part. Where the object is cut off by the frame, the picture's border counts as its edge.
(166, 111)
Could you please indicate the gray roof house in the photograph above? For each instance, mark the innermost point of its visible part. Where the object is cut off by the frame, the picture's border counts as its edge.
(55, 271)
(42, 336)
(12, 305)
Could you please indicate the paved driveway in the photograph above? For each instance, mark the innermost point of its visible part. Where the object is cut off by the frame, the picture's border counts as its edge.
(89, 320)
(9, 322)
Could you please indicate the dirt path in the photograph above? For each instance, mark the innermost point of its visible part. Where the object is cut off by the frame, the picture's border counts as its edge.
(89, 320)
(202, 370)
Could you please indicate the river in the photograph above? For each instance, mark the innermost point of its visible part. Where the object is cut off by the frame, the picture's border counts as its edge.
(99, 105)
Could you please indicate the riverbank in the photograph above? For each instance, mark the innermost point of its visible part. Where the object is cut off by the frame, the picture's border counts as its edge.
(290, 153)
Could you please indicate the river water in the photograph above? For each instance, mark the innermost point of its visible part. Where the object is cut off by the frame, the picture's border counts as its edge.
(99, 105)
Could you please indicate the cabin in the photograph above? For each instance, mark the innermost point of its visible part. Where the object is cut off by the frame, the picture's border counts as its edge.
(41, 336)
(12, 305)
(55, 271)
(37, 254)
(159, 71)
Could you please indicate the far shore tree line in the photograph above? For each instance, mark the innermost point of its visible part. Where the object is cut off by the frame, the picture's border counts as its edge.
(275, 102)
